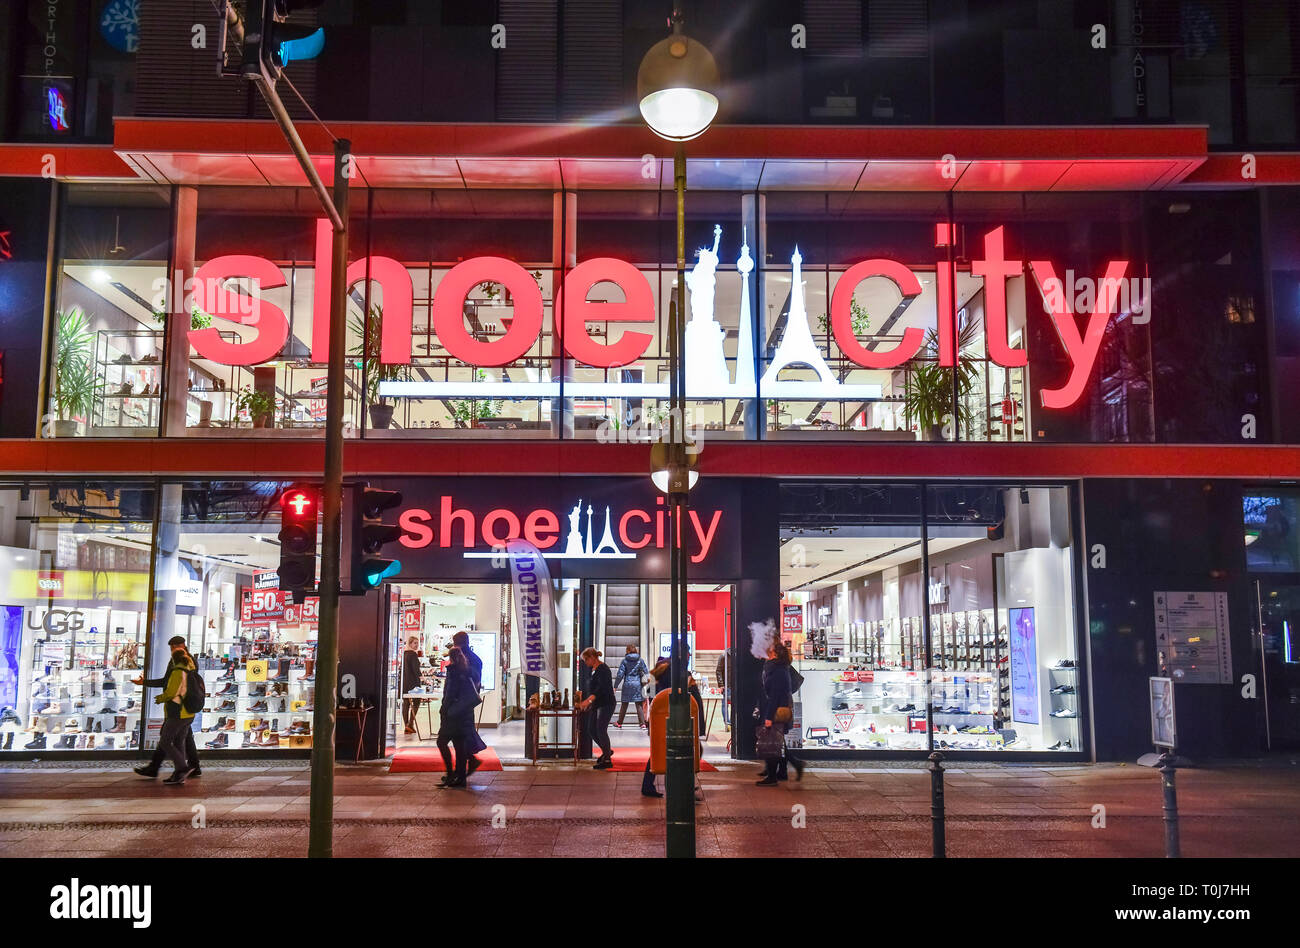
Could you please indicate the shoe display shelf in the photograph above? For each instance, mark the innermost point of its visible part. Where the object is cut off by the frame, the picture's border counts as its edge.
(1061, 724)
(128, 365)
(81, 709)
(258, 714)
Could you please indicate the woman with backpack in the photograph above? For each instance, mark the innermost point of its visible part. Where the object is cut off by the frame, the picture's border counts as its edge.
(150, 770)
(177, 716)
(631, 681)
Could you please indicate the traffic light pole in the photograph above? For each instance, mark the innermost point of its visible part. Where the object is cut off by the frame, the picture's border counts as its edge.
(320, 840)
(320, 843)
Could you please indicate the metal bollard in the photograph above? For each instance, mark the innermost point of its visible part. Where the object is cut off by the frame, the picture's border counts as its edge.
(936, 804)
(1170, 807)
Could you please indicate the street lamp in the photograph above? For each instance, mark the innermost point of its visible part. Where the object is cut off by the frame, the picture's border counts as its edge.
(675, 91)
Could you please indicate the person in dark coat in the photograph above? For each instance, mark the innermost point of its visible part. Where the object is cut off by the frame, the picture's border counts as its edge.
(459, 699)
(150, 770)
(775, 694)
(475, 664)
(631, 676)
(599, 705)
(410, 681)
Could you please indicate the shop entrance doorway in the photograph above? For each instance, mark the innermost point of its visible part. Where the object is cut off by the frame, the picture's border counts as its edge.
(619, 617)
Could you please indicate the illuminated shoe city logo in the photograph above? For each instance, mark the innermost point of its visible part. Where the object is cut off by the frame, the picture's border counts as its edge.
(634, 529)
(708, 375)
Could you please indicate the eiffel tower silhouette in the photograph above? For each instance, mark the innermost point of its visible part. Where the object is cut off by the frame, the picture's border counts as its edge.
(797, 346)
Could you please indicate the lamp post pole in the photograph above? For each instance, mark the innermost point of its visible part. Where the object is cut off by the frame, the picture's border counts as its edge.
(679, 777)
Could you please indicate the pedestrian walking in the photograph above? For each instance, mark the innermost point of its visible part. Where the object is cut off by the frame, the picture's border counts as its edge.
(776, 712)
(410, 681)
(630, 683)
(459, 699)
(599, 705)
(177, 700)
(150, 770)
(474, 663)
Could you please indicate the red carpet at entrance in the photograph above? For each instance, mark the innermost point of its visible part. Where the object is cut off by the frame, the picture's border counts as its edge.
(427, 760)
(632, 760)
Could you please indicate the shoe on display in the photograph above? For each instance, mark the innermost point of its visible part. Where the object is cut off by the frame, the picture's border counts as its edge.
(255, 706)
(9, 741)
(228, 724)
(1060, 745)
(1064, 713)
(105, 710)
(254, 691)
(228, 705)
(220, 741)
(9, 716)
(36, 743)
(99, 727)
(1064, 663)
(119, 725)
(1063, 690)
(72, 726)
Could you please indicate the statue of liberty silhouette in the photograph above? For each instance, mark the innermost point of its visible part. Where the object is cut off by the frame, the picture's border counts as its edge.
(706, 362)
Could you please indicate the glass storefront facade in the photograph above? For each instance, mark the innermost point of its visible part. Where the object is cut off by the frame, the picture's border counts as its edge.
(945, 614)
(829, 316)
(979, 596)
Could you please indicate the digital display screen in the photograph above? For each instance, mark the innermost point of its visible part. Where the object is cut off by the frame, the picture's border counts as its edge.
(1024, 666)
(484, 645)
(666, 646)
(1272, 532)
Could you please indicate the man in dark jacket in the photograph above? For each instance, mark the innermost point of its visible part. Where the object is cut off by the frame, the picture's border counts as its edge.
(150, 770)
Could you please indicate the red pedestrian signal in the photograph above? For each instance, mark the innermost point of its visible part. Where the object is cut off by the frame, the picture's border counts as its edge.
(297, 570)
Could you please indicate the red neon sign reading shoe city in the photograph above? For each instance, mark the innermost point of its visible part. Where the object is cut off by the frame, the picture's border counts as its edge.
(525, 328)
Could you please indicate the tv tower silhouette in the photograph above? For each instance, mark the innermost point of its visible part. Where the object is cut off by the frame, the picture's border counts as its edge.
(797, 346)
(745, 324)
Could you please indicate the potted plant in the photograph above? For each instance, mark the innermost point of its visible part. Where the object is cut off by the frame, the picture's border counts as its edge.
(198, 318)
(859, 319)
(259, 405)
(76, 384)
(381, 413)
(928, 387)
(467, 413)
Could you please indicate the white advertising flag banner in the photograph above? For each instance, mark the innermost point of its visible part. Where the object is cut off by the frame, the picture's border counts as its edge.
(534, 609)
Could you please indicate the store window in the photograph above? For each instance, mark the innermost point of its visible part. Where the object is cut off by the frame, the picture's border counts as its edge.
(216, 587)
(980, 602)
(257, 360)
(74, 599)
(105, 371)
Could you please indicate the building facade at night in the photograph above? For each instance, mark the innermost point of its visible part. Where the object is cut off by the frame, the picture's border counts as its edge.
(992, 353)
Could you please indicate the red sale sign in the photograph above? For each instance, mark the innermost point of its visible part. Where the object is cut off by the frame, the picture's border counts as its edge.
(263, 605)
(410, 621)
(791, 617)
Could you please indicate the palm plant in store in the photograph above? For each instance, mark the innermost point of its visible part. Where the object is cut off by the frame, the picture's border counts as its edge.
(366, 352)
(468, 412)
(75, 384)
(928, 386)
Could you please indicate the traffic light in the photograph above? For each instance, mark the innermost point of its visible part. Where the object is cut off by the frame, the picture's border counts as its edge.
(369, 536)
(297, 570)
(268, 41)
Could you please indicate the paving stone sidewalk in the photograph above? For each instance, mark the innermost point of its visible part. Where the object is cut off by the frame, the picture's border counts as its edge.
(1245, 809)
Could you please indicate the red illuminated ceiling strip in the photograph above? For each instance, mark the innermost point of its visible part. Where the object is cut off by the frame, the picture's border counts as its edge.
(886, 460)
